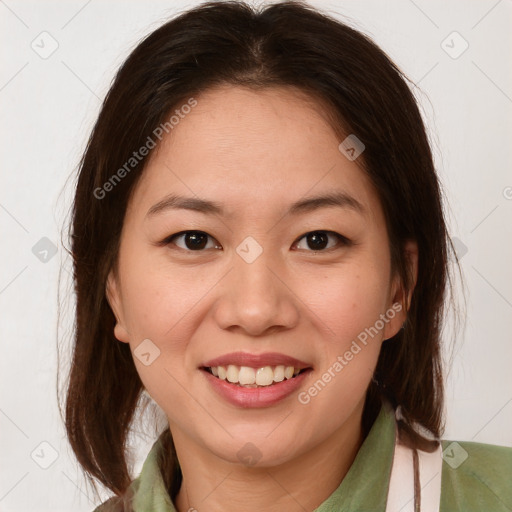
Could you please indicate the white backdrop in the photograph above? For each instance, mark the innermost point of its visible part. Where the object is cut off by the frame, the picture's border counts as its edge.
(57, 61)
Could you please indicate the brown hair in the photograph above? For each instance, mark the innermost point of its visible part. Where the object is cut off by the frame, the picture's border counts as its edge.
(285, 44)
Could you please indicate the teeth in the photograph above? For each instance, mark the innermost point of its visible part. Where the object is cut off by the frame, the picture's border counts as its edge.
(232, 373)
(279, 373)
(253, 377)
(264, 376)
(247, 376)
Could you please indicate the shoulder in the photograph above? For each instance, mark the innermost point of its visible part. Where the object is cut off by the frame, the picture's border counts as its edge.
(476, 477)
(119, 503)
(114, 504)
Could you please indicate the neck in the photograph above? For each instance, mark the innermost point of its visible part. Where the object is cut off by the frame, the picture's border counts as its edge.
(210, 482)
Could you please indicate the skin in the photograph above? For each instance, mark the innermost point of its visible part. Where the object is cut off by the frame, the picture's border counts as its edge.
(256, 153)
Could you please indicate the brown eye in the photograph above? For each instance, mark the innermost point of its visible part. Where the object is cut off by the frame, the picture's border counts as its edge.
(192, 240)
(319, 240)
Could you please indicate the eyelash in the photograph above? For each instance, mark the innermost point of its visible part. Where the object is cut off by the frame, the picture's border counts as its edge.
(342, 240)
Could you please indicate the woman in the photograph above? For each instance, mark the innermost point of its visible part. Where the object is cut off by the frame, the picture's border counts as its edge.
(259, 245)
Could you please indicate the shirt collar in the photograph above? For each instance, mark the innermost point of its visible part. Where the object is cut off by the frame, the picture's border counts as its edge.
(364, 487)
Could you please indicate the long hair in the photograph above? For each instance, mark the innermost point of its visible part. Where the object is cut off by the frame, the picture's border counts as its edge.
(363, 92)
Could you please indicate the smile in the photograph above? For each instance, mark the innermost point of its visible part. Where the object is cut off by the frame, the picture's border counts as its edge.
(255, 380)
(248, 377)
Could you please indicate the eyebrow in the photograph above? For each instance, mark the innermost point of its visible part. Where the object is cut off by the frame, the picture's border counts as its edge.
(332, 199)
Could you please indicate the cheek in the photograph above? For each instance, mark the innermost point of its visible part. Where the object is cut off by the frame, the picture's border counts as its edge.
(157, 302)
(158, 309)
(348, 305)
(348, 301)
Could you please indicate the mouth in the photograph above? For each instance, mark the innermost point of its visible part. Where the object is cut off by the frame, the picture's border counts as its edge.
(255, 380)
(255, 377)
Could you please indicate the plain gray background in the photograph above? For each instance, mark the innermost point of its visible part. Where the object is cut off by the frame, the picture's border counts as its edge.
(57, 61)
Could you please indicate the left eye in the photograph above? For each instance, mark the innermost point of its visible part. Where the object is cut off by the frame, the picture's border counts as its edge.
(319, 240)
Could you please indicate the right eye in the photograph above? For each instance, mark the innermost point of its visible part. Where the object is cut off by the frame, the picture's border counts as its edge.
(191, 241)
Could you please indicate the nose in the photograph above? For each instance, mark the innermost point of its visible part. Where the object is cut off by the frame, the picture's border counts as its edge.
(256, 298)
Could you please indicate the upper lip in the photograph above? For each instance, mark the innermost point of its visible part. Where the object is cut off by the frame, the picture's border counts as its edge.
(256, 360)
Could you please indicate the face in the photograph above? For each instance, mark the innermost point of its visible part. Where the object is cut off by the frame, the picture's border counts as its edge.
(249, 281)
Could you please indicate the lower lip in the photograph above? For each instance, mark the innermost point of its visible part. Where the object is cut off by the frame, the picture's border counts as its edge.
(255, 397)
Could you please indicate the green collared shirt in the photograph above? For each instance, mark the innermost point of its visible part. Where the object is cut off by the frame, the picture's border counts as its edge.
(482, 482)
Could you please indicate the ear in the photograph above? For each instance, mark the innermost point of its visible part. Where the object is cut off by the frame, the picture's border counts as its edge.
(400, 300)
(112, 291)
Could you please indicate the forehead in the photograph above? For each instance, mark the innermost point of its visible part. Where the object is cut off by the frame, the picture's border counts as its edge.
(252, 149)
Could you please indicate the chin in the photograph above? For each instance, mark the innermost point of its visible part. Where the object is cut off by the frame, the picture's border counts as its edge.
(257, 450)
